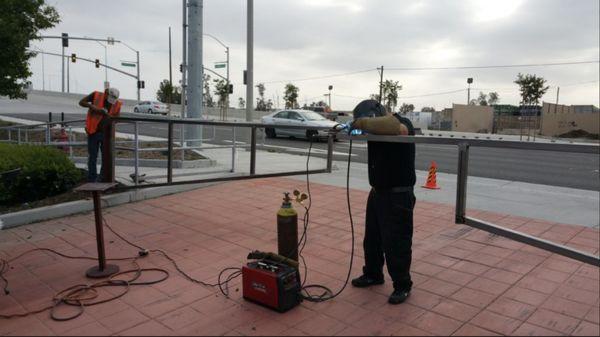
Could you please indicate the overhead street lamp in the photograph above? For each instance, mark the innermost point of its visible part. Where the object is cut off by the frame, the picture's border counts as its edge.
(226, 52)
(137, 54)
(469, 81)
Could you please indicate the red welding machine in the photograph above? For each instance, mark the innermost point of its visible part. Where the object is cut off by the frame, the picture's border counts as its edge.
(272, 284)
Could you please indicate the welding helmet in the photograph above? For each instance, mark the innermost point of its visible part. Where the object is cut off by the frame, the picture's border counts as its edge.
(369, 108)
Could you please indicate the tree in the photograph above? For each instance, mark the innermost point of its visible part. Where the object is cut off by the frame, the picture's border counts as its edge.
(493, 98)
(482, 99)
(532, 88)
(269, 105)
(221, 90)
(427, 109)
(21, 20)
(166, 90)
(208, 100)
(241, 103)
(406, 108)
(261, 105)
(390, 94)
(291, 96)
(374, 97)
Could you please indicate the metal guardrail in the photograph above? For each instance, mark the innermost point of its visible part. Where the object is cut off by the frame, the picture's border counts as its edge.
(461, 185)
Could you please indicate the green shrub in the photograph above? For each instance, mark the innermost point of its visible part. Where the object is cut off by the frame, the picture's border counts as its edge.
(45, 172)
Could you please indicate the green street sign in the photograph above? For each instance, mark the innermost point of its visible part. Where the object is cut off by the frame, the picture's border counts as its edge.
(220, 65)
(128, 64)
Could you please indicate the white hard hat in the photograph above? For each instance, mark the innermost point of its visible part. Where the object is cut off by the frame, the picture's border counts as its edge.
(113, 95)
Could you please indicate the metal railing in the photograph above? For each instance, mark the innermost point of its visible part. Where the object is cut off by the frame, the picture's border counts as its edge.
(461, 216)
(463, 144)
(195, 122)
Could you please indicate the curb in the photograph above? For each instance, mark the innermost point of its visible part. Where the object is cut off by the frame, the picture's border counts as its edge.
(25, 217)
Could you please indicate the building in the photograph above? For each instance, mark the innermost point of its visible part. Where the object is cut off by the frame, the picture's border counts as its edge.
(558, 119)
(472, 118)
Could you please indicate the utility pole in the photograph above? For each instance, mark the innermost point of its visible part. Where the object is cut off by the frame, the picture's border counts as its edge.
(196, 69)
(170, 74)
(184, 64)
(68, 76)
(249, 60)
(557, 92)
(330, 87)
(380, 84)
(43, 75)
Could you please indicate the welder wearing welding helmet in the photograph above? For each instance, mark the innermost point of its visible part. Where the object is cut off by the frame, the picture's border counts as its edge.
(389, 218)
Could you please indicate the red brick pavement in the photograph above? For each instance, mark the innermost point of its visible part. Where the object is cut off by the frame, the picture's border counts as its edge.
(467, 282)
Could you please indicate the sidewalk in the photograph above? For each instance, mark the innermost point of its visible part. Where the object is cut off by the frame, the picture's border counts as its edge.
(467, 282)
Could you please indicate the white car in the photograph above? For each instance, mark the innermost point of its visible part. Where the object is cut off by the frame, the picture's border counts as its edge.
(306, 118)
(151, 107)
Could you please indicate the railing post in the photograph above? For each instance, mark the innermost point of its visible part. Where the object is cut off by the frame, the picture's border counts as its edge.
(9, 135)
(233, 150)
(182, 134)
(329, 152)
(170, 153)
(461, 182)
(108, 149)
(253, 151)
(47, 134)
(71, 139)
(18, 135)
(136, 152)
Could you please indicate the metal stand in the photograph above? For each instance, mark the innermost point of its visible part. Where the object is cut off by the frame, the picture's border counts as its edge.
(103, 269)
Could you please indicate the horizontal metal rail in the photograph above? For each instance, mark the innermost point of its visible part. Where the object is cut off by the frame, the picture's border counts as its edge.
(190, 121)
(533, 241)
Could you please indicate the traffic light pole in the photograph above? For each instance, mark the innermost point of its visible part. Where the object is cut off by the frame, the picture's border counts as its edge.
(63, 69)
(137, 53)
(91, 61)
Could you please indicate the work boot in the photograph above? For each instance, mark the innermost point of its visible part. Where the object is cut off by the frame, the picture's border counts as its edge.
(364, 281)
(398, 296)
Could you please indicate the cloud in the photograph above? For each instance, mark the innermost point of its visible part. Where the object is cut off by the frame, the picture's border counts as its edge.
(300, 39)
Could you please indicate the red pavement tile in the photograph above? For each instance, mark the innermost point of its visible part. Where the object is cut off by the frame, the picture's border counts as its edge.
(527, 329)
(437, 324)
(471, 268)
(566, 307)
(554, 321)
(473, 297)
(577, 295)
(488, 286)
(593, 315)
(456, 310)
(265, 327)
(179, 318)
(456, 277)
(150, 328)
(123, 320)
(538, 284)
(503, 276)
(496, 322)
(91, 329)
(439, 287)
(511, 308)
(401, 329)
(321, 326)
(587, 329)
(472, 330)
(524, 295)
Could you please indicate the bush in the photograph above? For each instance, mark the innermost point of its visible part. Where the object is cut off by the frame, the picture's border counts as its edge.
(44, 172)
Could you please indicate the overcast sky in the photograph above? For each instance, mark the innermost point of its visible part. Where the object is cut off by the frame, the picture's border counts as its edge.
(317, 38)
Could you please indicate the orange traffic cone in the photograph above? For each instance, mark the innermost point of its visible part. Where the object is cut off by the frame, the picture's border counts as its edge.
(431, 178)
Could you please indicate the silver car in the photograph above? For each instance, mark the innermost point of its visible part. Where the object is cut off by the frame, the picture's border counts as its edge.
(151, 107)
(281, 119)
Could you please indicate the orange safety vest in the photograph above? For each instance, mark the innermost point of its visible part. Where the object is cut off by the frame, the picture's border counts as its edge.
(93, 119)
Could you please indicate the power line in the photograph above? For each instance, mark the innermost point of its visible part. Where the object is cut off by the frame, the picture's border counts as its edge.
(320, 77)
(498, 66)
(435, 94)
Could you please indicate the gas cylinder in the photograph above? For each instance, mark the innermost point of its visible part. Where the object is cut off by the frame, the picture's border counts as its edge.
(287, 229)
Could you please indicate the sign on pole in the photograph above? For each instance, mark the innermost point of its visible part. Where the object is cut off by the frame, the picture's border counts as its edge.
(127, 64)
(220, 65)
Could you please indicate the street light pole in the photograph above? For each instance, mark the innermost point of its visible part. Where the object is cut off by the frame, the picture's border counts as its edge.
(469, 81)
(227, 62)
(137, 54)
(250, 60)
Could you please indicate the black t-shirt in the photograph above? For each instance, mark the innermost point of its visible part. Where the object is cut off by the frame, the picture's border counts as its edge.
(107, 106)
(392, 164)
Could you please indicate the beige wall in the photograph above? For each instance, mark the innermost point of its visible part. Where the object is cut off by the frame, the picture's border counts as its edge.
(472, 118)
(558, 119)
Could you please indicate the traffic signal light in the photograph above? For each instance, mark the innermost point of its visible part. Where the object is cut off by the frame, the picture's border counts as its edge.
(180, 68)
(231, 88)
(141, 84)
(73, 58)
(65, 39)
(97, 63)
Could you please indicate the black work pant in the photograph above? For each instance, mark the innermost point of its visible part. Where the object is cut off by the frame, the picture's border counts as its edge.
(388, 236)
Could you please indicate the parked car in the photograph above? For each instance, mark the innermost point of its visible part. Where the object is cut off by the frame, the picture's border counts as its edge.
(326, 112)
(306, 118)
(151, 107)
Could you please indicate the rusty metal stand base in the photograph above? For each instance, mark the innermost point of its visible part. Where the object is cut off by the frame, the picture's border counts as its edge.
(108, 270)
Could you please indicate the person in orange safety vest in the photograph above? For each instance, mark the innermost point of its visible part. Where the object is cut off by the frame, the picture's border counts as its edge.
(101, 107)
